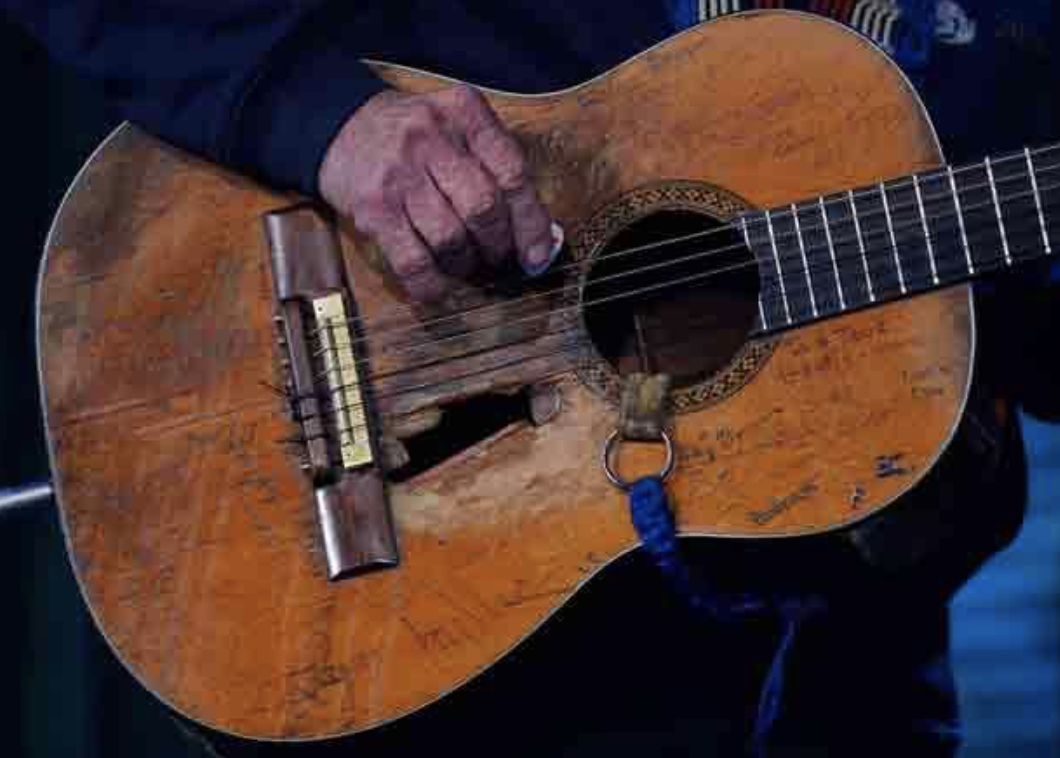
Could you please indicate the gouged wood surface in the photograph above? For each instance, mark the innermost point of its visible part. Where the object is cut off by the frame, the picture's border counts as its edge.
(192, 532)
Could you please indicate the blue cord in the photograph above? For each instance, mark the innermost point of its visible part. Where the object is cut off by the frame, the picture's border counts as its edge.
(654, 522)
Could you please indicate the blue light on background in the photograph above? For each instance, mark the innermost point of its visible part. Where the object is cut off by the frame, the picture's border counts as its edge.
(1006, 626)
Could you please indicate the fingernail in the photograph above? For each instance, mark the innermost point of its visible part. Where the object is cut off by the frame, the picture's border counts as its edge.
(541, 257)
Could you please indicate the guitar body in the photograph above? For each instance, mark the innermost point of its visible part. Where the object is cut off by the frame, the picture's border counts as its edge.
(193, 533)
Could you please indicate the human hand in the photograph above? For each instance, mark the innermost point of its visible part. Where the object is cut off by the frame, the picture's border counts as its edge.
(440, 184)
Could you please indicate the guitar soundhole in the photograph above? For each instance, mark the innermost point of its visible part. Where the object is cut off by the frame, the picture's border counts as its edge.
(683, 306)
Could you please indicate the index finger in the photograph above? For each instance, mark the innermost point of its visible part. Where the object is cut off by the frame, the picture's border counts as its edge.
(502, 155)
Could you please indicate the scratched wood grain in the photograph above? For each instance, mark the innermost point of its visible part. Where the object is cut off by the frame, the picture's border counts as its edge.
(192, 531)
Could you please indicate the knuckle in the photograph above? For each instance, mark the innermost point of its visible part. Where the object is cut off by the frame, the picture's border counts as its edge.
(393, 187)
(468, 97)
(419, 121)
(450, 239)
(421, 114)
(512, 170)
(482, 208)
(410, 265)
(504, 157)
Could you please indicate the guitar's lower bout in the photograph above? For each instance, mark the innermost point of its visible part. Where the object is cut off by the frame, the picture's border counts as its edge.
(192, 531)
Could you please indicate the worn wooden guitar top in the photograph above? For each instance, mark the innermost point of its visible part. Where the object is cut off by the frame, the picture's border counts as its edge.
(193, 531)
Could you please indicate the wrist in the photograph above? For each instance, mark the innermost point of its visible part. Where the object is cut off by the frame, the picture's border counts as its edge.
(334, 168)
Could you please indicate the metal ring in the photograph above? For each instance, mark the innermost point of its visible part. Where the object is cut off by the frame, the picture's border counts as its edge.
(618, 481)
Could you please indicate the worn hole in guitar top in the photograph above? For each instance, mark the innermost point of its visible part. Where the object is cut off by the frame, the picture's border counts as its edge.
(698, 310)
(462, 426)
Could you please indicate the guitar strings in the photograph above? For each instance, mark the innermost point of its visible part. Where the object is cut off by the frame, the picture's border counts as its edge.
(798, 286)
(390, 349)
(990, 265)
(915, 225)
(778, 214)
(573, 350)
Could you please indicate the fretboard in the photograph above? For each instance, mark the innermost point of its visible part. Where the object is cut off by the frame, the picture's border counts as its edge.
(905, 236)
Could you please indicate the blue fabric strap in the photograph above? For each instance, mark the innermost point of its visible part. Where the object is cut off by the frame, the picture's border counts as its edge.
(654, 522)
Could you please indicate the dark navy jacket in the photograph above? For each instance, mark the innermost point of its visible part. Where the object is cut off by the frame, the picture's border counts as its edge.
(264, 84)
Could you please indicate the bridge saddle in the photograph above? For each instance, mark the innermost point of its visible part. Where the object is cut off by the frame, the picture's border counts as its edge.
(343, 378)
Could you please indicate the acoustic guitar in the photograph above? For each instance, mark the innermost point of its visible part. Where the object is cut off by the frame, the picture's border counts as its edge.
(300, 506)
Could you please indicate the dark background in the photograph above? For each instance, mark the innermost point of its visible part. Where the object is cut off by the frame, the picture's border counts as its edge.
(65, 695)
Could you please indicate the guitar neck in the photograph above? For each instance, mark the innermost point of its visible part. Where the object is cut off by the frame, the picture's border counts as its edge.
(903, 237)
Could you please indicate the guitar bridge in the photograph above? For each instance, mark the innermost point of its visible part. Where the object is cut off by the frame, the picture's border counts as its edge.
(343, 379)
(327, 395)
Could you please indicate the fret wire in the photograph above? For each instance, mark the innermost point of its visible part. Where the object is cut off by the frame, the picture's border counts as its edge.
(861, 243)
(974, 229)
(927, 232)
(805, 261)
(1038, 200)
(761, 302)
(894, 241)
(959, 271)
(960, 220)
(780, 272)
(940, 174)
(831, 252)
(997, 210)
(948, 274)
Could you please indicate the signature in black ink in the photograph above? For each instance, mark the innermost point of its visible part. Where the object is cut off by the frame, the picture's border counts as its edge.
(783, 505)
